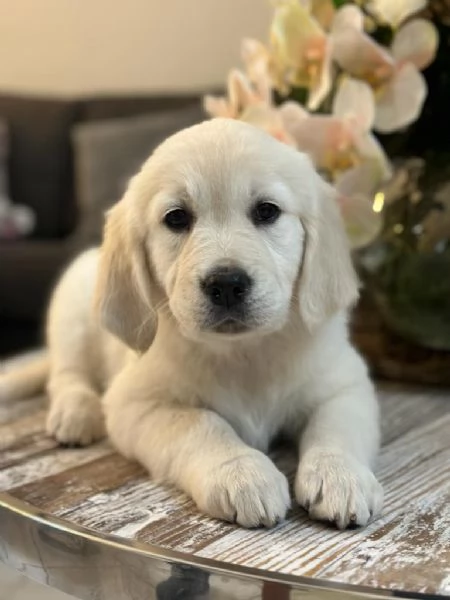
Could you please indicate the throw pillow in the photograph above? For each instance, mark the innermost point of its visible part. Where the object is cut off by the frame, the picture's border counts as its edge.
(109, 152)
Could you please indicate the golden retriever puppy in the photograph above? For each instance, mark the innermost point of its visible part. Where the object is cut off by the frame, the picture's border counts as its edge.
(221, 293)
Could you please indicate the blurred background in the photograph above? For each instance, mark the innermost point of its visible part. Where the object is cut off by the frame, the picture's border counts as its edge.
(146, 46)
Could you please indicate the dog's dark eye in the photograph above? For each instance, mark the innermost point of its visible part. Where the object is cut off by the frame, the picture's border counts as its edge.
(178, 219)
(265, 213)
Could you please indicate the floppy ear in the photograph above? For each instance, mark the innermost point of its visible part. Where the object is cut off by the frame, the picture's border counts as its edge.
(328, 282)
(123, 296)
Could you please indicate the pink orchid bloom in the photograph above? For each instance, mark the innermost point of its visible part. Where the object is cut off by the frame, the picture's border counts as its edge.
(342, 140)
(269, 119)
(249, 103)
(400, 89)
(241, 94)
(345, 151)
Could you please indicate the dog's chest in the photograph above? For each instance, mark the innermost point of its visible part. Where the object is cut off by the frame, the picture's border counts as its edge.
(257, 391)
(257, 415)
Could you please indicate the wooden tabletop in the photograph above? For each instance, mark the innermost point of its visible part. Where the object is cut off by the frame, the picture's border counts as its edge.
(407, 549)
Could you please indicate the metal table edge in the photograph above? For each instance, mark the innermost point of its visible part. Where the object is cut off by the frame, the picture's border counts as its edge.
(35, 526)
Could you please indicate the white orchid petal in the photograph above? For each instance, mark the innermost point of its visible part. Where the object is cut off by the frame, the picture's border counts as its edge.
(217, 106)
(359, 55)
(370, 149)
(348, 16)
(395, 12)
(416, 42)
(292, 112)
(252, 49)
(268, 119)
(324, 12)
(401, 101)
(256, 59)
(309, 134)
(322, 89)
(240, 91)
(365, 178)
(264, 88)
(362, 223)
(260, 115)
(355, 100)
(292, 32)
(323, 137)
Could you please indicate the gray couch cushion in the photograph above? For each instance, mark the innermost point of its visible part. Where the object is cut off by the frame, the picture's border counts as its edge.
(107, 153)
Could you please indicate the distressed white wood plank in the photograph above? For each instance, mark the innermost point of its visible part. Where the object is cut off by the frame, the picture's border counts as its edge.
(59, 460)
(404, 408)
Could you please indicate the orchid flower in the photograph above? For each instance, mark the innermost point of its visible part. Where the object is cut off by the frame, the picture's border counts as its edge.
(260, 67)
(400, 88)
(343, 149)
(342, 140)
(269, 119)
(332, 142)
(251, 104)
(241, 94)
(394, 12)
(301, 51)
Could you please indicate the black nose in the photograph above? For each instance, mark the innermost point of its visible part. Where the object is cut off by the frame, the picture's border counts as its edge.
(227, 287)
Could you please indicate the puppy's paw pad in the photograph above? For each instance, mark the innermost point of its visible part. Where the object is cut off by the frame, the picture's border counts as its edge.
(76, 420)
(248, 490)
(338, 489)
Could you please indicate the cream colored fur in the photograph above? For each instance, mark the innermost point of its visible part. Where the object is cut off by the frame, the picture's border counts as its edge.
(197, 408)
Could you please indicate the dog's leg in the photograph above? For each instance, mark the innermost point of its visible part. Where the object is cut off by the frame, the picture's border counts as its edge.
(334, 479)
(75, 415)
(197, 450)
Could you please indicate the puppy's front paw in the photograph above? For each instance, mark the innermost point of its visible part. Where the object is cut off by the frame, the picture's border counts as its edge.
(337, 488)
(75, 418)
(248, 490)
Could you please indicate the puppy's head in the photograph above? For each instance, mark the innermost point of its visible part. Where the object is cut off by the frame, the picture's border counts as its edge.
(228, 231)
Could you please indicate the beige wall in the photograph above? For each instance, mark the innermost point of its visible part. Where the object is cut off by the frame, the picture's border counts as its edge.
(76, 46)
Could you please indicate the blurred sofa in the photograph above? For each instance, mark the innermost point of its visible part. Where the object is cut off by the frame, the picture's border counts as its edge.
(69, 160)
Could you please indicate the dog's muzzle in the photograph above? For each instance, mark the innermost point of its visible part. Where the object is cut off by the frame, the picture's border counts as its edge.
(227, 290)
